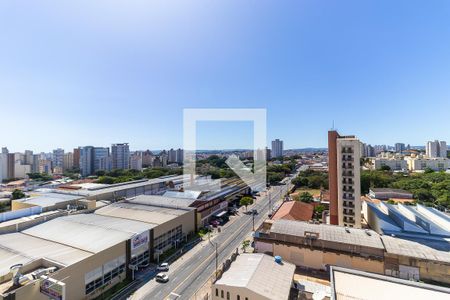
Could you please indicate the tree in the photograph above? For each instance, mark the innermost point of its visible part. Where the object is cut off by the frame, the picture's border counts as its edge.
(245, 245)
(318, 210)
(306, 197)
(385, 168)
(17, 194)
(246, 201)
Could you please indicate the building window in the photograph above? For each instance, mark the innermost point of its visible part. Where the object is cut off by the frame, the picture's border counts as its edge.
(238, 297)
(217, 292)
(228, 295)
(221, 293)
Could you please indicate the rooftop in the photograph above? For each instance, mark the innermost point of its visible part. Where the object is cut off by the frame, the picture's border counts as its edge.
(21, 248)
(162, 201)
(184, 195)
(88, 232)
(294, 210)
(437, 250)
(150, 214)
(375, 286)
(255, 271)
(111, 188)
(330, 233)
(49, 199)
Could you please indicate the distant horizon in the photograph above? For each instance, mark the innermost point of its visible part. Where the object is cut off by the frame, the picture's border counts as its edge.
(206, 150)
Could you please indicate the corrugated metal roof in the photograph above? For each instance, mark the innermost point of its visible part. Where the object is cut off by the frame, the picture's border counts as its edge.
(21, 248)
(49, 199)
(162, 201)
(260, 274)
(437, 250)
(144, 213)
(89, 232)
(330, 233)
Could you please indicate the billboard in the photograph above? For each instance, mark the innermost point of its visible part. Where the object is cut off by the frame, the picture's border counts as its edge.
(140, 240)
(53, 288)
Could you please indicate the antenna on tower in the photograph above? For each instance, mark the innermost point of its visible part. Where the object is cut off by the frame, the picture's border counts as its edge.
(332, 126)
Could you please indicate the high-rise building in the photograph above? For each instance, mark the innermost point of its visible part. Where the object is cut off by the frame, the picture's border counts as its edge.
(58, 158)
(102, 159)
(436, 149)
(68, 161)
(180, 156)
(45, 166)
(443, 149)
(35, 164)
(147, 158)
(120, 156)
(136, 161)
(344, 179)
(76, 158)
(4, 164)
(172, 156)
(369, 151)
(86, 160)
(400, 147)
(277, 148)
(28, 157)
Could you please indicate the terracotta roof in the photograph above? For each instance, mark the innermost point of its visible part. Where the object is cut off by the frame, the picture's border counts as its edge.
(294, 210)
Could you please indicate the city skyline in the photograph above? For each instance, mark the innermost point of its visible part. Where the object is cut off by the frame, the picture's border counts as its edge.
(370, 69)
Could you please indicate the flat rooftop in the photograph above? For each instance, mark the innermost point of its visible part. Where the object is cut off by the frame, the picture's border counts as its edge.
(111, 188)
(154, 215)
(260, 274)
(162, 201)
(49, 199)
(88, 232)
(374, 286)
(21, 248)
(330, 233)
(436, 250)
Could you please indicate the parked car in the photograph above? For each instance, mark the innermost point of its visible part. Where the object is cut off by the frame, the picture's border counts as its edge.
(254, 211)
(215, 223)
(163, 267)
(161, 277)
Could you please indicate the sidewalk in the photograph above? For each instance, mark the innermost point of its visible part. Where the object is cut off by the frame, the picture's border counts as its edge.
(151, 284)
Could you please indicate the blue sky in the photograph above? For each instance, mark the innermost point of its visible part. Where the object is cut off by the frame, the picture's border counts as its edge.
(99, 72)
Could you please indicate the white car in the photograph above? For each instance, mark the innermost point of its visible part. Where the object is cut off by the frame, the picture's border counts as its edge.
(163, 267)
(161, 277)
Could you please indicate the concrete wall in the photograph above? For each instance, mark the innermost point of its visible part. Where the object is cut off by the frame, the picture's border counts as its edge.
(73, 276)
(429, 271)
(316, 259)
(234, 292)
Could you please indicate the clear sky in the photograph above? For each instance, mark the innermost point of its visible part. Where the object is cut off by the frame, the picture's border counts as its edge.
(97, 72)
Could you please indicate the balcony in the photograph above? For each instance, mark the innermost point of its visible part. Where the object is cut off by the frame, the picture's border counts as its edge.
(347, 150)
(349, 159)
(349, 198)
(348, 174)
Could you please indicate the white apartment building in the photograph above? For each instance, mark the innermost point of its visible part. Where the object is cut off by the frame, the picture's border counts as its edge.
(277, 148)
(394, 163)
(348, 181)
(136, 161)
(422, 163)
(436, 149)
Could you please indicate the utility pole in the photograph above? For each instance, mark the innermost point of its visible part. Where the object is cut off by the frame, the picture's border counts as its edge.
(253, 219)
(216, 262)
